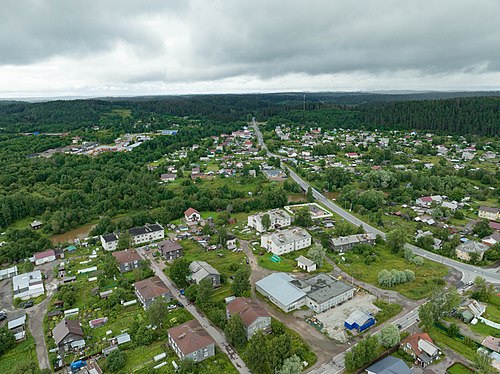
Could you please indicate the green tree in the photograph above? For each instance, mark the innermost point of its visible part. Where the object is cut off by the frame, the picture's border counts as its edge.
(453, 330)
(179, 272)
(7, 340)
(482, 363)
(205, 291)
(303, 217)
(124, 240)
(317, 254)
(389, 336)
(157, 312)
(291, 365)
(191, 292)
(282, 345)
(116, 361)
(309, 195)
(266, 221)
(426, 315)
(396, 239)
(235, 331)
(482, 229)
(187, 366)
(257, 354)
(372, 200)
(241, 284)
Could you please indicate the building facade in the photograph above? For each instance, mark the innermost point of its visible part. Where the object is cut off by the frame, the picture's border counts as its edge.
(279, 218)
(285, 241)
(191, 341)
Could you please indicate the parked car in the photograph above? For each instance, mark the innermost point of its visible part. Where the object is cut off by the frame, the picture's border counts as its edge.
(3, 315)
(180, 305)
(27, 304)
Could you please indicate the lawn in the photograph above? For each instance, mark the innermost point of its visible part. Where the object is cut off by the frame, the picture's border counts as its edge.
(492, 313)
(428, 276)
(19, 358)
(442, 340)
(485, 330)
(288, 264)
(387, 310)
(458, 368)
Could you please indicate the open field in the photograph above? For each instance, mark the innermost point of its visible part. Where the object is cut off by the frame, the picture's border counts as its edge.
(288, 264)
(21, 358)
(427, 276)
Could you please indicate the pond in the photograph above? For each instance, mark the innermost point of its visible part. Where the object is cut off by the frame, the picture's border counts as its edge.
(69, 236)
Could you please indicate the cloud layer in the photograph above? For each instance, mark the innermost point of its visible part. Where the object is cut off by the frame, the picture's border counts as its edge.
(112, 47)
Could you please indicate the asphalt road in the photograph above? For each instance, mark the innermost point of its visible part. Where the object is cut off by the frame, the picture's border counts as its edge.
(469, 272)
(204, 322)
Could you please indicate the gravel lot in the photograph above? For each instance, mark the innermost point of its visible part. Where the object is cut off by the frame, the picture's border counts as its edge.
(334, 318)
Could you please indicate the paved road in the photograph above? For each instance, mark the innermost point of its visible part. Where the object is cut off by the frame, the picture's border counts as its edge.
(469, 272)
(213, 331)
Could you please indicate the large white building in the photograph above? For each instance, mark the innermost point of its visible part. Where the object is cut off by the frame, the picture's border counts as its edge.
(320, 292)
(278, 217)
(286, 241)
(139, 235)
(28, 285)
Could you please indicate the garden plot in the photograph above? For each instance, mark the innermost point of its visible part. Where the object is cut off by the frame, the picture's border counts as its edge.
(333, 319)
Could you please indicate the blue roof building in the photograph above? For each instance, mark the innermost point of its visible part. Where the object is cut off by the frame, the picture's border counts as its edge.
(359, 320)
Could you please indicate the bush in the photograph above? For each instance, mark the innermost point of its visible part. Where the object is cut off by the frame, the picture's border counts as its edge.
(394, 277)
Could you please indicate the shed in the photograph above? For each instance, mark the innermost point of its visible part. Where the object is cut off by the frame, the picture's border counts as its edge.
(466, 316)
(359, 320)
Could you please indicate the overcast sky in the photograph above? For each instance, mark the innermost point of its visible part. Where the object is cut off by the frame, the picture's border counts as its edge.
(125, 47)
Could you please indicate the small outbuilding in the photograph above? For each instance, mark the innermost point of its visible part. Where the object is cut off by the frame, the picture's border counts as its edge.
(305, 264)
(359, 320)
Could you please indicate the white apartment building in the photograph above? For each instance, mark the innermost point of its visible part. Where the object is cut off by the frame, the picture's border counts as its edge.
(28, 285)
(286, 241)
(278, 217)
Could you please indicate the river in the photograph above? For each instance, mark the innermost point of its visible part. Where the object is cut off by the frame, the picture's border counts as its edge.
(81, 233)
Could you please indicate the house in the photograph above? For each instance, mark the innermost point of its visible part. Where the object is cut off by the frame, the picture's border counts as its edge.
(68, 334)
(275, 174)
(8, 273)
(345, 243)
(389, 365)
(147, 233)
(320, 292)
(44, 257)
(359, 320)
(192, 215)
(168, 177)
(452, 206)
(98, 322)
(466, 316)
(254, 317)
(464, 251)
(17, 325)
(421, 347)
(305, 264)
(28, 285)
(201, 270)
(492, 239)
(492, 343)
(426, 201)
(352, 155)
(35, 225)
(191, 341)
(285, 241)
(150, 289)
(278, 218)
(170, 249)
(231, 242)
(489, 213)
(109, 241)
(127, 259)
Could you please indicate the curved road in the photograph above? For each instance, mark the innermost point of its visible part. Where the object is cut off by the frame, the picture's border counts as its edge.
(469, 272)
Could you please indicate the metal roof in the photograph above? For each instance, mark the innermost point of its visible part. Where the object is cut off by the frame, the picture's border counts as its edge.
(278, 286)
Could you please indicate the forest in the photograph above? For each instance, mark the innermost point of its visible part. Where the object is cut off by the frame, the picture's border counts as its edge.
(450, 113)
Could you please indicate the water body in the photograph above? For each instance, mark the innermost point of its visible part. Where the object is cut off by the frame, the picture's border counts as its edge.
(69, 236)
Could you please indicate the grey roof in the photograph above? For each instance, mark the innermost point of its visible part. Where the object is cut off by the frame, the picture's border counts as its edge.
(359, 316)
(283, 237)
(19, 320)
(278, 286)
(200, 270)
(304, 260)
(324, 288)
(352, 239)
(471, 246)
(489, 209)
(110, 237)
(389, 365)
(146, 229)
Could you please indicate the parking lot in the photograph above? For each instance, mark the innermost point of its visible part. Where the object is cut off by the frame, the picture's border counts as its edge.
(333, 319)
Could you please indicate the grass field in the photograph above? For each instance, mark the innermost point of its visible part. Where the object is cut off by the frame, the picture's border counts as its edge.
(388, 310)
(288, 264)
(427, 275)
(442, 340)
(458, 368)
(20, 358)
